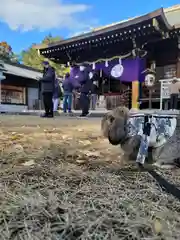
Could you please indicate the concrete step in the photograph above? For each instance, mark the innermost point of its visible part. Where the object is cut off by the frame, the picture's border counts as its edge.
(93, 113)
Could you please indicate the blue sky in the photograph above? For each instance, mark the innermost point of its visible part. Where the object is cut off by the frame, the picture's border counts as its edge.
(23, 22)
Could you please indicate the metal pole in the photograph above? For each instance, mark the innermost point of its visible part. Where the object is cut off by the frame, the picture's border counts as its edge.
(150, 98)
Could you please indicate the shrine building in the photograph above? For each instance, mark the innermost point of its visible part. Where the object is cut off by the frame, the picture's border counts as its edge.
(121, 52)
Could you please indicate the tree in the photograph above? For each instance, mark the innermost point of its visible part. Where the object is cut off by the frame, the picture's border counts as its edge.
(6, 52)
(50, 39)
(32, 58)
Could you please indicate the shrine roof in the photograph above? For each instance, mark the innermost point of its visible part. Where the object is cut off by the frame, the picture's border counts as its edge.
(20, 70)
(173, 15)
(112, 28)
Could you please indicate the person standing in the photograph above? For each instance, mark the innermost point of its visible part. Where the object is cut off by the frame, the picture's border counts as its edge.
(47, 83)
(94, 95)
(56, 95)
(85, 90)
(174, 90)
(68, 87)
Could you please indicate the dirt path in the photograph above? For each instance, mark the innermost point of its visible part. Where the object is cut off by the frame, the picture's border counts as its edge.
(32, 135)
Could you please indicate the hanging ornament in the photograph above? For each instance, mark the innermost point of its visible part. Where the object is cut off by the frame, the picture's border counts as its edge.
(81, 68)
(106, 64)
(67, 65)
(153, 66)
(90, 75)
(93, 66)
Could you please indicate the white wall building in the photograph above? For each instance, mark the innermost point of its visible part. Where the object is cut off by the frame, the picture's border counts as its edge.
(19, 88)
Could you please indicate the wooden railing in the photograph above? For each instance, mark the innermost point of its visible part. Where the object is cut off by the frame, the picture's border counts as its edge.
(119, 99)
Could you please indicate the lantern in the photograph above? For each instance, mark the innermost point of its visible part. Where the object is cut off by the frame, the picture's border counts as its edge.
(150, 77)
(149, 81)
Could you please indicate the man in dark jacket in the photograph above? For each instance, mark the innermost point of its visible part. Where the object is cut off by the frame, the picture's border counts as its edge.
(85, 90)
(47, 83)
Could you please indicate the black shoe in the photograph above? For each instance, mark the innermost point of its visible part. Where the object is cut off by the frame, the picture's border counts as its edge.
(84, 115)
(50, 115)
(44, 115)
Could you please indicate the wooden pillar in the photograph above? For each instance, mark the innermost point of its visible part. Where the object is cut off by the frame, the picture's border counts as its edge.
(25, 96)
(178, 67)
(135, 94)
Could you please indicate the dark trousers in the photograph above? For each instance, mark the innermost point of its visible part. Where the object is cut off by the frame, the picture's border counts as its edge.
(84, 103)
(48, 103)
(173, 101)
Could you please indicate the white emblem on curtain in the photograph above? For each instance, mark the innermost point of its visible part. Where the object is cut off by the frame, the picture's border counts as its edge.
(117, 70)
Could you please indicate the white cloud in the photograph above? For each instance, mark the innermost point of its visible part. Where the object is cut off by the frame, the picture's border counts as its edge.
(26, 15)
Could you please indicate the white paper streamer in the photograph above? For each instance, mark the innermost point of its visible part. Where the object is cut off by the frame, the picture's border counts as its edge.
(81, 68)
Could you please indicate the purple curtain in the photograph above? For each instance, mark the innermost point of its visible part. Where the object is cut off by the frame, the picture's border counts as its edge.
(129, 70)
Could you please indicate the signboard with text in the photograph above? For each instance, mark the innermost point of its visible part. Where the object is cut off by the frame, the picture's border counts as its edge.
(164, 93)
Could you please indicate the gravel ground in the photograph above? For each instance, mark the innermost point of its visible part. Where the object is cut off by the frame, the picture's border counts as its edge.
(59, 179)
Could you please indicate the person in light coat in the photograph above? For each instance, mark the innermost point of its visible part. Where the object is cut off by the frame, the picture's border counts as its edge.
(174, 90)
(94, 95)
(56, 95)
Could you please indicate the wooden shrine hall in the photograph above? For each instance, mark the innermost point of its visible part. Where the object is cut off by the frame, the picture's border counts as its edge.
(121, 52)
